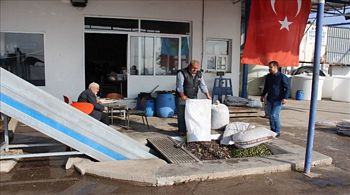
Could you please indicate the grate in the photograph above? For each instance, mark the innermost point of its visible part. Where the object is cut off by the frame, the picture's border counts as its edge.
(167, 147)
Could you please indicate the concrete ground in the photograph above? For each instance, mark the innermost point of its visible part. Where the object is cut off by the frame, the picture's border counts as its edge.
(48, 175)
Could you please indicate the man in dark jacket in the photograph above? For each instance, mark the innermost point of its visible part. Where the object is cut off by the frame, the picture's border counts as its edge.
(188, 81)
(277, 89)
(90, 96)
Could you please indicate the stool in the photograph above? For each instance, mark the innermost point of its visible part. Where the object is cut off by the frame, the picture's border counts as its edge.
(139, 113)
(117, 109)
(222, 87)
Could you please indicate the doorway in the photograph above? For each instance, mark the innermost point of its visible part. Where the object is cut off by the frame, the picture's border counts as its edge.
(106, 62)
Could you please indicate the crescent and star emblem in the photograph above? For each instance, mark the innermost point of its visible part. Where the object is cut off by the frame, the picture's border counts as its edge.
(285, 23)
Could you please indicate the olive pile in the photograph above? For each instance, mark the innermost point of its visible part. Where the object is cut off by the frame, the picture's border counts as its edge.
(214, 151)
(260, 150)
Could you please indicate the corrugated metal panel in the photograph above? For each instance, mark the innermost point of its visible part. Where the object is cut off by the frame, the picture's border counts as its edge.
(338, 46)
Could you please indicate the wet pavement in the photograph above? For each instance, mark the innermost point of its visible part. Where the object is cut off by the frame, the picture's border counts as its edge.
(48, 176)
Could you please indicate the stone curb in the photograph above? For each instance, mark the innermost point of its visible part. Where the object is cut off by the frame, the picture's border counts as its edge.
(156, 172)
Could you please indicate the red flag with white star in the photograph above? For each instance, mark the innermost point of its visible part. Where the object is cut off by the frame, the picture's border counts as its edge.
(275, 30)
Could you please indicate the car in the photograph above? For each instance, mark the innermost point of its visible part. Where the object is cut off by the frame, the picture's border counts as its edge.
(306, 69)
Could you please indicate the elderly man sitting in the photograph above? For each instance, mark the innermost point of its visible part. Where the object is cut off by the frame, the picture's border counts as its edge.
(90, 96)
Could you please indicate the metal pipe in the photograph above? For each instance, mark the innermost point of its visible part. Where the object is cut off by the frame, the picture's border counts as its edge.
(34, 145)
(203, 39)
(17, 156)
(315, 77)
(244, 93)
(6, 132)
(338, 24)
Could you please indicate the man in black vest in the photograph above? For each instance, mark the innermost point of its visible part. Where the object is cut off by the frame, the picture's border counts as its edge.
(188, 81)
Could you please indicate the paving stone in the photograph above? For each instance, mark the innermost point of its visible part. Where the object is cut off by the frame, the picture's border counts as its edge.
(7, 165)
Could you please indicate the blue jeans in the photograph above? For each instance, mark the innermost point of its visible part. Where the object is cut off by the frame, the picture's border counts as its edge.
(274, 109)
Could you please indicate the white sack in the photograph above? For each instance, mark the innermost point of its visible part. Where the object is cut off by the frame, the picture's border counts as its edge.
(220, 116)
(198, 118)
(254, 104)
(232, 129)
(235, 101)
(253, 137)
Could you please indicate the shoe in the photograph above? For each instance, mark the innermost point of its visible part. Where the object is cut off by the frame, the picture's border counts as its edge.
(278, 134)
(182, 133)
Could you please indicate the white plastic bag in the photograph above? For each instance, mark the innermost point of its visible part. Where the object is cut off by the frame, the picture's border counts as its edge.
(235, 101)
(232, 129)
(198, 119)
(253, 137)
(220, 116)
(254, 104)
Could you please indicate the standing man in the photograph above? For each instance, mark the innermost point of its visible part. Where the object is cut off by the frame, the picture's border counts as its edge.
(90, 96)
(188, 80)
(277, 89)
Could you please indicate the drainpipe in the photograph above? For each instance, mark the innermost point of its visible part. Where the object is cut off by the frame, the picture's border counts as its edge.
(244, 93)
(315, 77)
(203, 33)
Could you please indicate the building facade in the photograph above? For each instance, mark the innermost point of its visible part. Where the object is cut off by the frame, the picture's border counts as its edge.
(127, 46)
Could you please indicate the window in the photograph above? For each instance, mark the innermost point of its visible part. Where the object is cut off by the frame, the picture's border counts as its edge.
(132, 25)
(129, 25)
(155, 47)
(23, 55)
(218, 55)
(141, 55)
(185, 52)
(158, 55)
(166, 27)
(167, 56)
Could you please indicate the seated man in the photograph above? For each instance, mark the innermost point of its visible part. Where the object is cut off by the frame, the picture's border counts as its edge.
(90, 96)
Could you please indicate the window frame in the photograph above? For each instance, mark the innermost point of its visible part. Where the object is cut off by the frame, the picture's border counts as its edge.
(154, 52)
(44, 51)
(146, 34)
(216, 56)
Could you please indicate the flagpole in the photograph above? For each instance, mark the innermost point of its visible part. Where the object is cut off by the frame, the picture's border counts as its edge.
(315, 77)
(244, 93)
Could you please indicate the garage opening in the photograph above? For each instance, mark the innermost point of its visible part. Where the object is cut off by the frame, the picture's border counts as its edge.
(106, 62)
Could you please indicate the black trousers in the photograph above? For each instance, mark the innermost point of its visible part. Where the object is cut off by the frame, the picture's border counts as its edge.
(101, 116)
(105, 118)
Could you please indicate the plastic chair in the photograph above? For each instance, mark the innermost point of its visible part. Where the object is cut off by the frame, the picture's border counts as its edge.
(83, 106)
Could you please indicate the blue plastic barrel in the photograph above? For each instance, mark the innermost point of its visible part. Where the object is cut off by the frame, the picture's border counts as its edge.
(165, 105)
(149, 107)
(299, 95)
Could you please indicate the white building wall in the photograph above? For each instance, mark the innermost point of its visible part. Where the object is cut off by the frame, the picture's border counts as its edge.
(222, 19)
(63, 27)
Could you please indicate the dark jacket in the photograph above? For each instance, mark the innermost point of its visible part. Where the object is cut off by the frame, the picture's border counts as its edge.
(276, 87)
(88, 96)
(191, 83)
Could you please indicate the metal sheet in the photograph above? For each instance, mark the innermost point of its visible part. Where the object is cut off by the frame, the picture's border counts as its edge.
(172, 153)
(62, 122)
(338, 46)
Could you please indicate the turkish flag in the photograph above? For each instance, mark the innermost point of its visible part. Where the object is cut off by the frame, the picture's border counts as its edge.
(275, 30)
